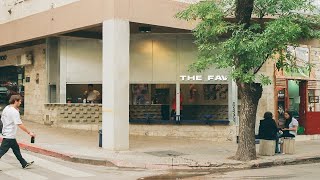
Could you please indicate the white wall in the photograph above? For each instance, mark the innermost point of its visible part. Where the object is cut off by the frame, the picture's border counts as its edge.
(83, 61)
(23, 8)
(156, 58)
(153, 59)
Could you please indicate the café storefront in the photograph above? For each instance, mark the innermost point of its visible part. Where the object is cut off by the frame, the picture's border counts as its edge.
(159, 76)
(205, 103)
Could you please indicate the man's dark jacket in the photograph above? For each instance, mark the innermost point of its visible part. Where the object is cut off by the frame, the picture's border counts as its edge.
(268, 129)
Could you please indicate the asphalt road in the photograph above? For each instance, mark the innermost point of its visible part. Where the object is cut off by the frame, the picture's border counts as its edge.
(302, 171)
(52, 168)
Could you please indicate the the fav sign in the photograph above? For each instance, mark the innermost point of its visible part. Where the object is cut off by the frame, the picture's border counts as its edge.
(201, 78)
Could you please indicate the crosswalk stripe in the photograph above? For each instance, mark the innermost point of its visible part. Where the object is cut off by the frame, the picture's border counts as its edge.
(55, 167)
(19, 173)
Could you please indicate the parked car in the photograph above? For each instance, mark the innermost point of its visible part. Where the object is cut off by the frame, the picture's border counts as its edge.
(5, 94)
(3, 102)
(3, 98)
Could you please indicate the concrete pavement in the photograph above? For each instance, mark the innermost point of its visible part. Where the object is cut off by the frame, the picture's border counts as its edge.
(153, 152)
(47, 168)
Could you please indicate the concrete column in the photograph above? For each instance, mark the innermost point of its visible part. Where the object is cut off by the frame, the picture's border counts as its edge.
(62, 84)
(115, 87)
(177, 98)
(233, 102)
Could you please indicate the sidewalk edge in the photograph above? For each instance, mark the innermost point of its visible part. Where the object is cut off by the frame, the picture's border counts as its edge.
(124, 164)
(63, 156)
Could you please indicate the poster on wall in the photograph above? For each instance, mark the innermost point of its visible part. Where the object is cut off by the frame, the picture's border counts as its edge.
(140, 94)
(301, 57)
(313, 99)
(315, 60)
(215, 91)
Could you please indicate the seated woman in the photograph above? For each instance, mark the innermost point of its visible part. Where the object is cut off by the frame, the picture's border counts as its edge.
(291, 125)
(268, 129)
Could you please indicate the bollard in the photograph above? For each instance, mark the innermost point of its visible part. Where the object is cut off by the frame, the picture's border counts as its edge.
(100, 138)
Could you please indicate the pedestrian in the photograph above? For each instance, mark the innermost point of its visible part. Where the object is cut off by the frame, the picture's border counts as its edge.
(11, 120)
(291, 125)
(268, 129)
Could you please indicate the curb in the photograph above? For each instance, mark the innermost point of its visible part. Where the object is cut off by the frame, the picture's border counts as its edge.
(66, 157)
(290, 161)
(183, 166)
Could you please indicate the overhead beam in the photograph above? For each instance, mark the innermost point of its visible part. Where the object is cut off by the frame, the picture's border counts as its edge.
(86, 13)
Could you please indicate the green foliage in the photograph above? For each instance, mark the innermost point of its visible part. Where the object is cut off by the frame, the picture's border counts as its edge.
(283, 7)
(223, 42)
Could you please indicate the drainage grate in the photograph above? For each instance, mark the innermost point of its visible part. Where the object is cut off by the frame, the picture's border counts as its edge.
(165, 153)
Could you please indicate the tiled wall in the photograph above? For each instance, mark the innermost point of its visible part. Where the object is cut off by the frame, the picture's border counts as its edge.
(74, 116)
(219, 133)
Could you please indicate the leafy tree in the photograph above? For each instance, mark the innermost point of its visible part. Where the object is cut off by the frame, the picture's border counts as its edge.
(242, 35)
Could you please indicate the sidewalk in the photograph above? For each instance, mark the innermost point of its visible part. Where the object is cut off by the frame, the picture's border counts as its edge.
(151, 152)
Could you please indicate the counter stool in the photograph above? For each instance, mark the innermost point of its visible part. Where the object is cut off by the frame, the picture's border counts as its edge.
(208, 117)
(148, 116)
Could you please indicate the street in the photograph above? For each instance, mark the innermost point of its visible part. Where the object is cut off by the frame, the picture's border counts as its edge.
(52, 168)
(302, 171)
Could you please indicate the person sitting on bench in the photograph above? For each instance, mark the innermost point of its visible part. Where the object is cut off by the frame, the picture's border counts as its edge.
(291, 125)
(268, 128)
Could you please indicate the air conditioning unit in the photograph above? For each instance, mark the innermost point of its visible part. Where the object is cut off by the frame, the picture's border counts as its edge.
(25, 59)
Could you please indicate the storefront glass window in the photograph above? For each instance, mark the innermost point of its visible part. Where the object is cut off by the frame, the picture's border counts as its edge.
(150, 101)
(204, 101)
(313, 100)
(76, 93)
(198, 102)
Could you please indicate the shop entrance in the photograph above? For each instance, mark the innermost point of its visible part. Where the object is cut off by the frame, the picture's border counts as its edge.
(303, 101)
(294, 99)
(11, 83)
(312, 123)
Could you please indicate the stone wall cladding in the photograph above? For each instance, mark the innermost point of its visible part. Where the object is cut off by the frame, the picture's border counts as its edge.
(36, 92)
(74, 116)
(89, 117)
(218, 133)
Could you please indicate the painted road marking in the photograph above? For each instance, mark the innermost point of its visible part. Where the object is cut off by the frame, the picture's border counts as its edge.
(19, 173)
(55, 167)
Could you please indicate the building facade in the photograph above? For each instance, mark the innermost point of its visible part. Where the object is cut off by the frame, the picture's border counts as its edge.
(135, 53)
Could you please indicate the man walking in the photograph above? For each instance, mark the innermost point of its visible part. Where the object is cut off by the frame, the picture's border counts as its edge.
(11, 120)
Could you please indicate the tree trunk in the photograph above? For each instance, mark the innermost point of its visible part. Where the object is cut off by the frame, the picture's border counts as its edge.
(244, 10)
(250, 95)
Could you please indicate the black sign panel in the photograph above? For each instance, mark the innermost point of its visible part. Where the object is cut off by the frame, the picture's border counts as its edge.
(3, 57)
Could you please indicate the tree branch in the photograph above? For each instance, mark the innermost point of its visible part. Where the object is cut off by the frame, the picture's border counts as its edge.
(258, 68)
